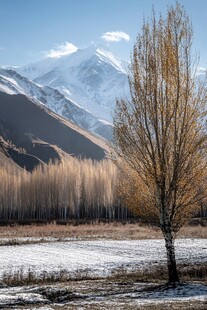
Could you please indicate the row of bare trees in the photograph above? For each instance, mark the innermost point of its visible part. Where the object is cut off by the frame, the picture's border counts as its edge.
(72, 189)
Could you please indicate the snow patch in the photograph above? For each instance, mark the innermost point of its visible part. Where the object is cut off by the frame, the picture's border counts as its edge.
(7, 89)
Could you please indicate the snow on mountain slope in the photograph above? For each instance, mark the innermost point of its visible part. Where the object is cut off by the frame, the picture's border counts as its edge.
(13, 83)
(92, 77)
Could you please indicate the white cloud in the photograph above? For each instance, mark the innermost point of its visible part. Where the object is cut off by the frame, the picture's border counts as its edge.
(61, 50)
(115, 36)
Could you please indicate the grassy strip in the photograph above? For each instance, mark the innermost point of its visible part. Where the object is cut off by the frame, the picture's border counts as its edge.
(115, 231)
(22, 277)
(156, 274)
(196, 272)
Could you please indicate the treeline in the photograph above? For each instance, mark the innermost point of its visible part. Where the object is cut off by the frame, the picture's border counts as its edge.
(70, 189)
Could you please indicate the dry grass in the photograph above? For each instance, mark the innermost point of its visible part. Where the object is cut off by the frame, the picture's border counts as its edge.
(193, 232)
(116, 231)
(153, 274)
(158, 274)
(29, 277)
(95, 231)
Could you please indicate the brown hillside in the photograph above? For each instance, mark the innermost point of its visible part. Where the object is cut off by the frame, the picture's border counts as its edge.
(13, 159)
(42, 133)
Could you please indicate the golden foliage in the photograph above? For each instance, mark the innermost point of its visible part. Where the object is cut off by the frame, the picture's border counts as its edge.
(136, 195)
(160, 132)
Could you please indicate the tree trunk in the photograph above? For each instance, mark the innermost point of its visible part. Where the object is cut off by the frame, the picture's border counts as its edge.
(171, 262)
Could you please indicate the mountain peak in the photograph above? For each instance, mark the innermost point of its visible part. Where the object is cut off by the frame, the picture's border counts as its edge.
(91, 77)
(99, 51)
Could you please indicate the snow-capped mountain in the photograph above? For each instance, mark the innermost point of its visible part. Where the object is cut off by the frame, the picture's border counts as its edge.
(13, 83)
(92, 78)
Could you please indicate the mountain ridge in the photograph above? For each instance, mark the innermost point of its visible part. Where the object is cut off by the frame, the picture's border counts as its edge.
(12, 82)
(92, 78)
(43, 134)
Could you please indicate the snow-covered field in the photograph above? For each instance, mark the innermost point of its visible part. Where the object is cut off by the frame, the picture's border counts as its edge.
(100, 257)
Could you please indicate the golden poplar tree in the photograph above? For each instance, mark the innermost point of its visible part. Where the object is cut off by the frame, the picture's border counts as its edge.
(159, 132)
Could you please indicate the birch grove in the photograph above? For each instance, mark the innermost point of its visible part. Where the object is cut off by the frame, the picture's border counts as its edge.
(70, 189)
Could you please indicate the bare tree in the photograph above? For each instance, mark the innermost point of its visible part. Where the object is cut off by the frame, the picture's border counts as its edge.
(159, 132)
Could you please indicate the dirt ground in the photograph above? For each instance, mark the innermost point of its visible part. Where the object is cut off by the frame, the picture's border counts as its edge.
(109, 294)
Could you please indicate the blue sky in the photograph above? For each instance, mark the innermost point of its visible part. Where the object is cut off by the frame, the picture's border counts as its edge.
(33, 29)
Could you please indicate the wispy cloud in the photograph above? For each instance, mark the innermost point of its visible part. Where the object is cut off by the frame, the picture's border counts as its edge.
(2, 48)
(115, 36)
(61, 50)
